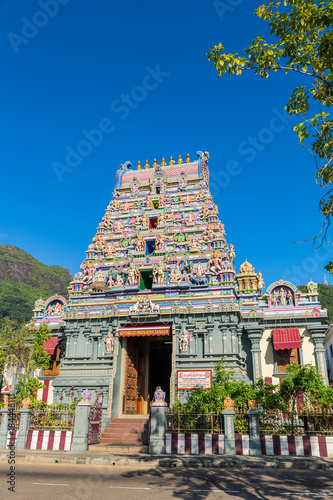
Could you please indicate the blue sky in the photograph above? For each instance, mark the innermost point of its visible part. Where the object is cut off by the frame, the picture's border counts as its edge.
(138, 71)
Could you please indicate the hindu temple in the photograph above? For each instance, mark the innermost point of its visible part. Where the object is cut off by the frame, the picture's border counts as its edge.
(158, 296)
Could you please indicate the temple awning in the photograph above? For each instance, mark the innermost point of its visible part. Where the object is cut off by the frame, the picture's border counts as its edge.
(286, 338)
(51, 344)
(144, 331)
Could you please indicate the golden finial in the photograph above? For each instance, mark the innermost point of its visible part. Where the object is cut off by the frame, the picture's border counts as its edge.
(171, 161)
(147, 164)
(188, 159)
(163, 162)
(155, 163)
(139, 165)
(180, 160)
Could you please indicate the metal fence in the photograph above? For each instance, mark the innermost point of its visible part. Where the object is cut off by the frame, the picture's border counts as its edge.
(51, 419)
(198, 423)
(307, 423)
(241, 421)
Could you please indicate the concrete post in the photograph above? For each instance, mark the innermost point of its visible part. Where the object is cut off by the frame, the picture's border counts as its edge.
(318, 333)
(158, 425)
(23, 428)
(255, 336)
(229, 432)
(255, 446)
(4, 427)
(81, 428)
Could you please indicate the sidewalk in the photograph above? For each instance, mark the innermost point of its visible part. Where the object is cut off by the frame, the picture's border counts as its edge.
(168, 461)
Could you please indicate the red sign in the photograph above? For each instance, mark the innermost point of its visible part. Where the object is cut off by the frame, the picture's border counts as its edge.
(144, 331)
(192, 379)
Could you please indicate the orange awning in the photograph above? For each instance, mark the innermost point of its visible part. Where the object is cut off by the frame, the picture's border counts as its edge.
(286, 338)
(144, 331)
(51, 344)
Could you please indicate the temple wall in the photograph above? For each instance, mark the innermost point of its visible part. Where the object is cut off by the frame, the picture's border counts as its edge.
(307, 348)
(267, 353)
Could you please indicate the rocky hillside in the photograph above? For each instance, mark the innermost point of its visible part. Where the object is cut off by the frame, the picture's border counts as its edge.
(23, 279)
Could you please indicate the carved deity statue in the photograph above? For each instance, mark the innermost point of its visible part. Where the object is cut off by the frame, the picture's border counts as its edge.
(159, 273)
(215, 263)
(160, 242)
(232, 254)
(132, 275)
(109, 341)
(261, 283)
(282, 296)
(184, 340)
(274, 298)
(145, 220)
(176, 275)
(290, 298)
(139, 244)
(161, 219)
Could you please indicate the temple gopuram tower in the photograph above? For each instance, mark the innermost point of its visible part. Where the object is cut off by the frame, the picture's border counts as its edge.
(157, 294)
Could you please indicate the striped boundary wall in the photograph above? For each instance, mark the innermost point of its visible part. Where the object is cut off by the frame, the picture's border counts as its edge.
(44, 440)
(49, 440)
(213, 444)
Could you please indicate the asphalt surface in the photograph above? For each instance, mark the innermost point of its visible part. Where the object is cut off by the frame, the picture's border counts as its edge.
(64, 482)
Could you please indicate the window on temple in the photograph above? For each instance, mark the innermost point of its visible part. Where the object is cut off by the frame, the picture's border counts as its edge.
(146, 279)
(153, 223)
(285, 357)
(150, 247)
(155, 204)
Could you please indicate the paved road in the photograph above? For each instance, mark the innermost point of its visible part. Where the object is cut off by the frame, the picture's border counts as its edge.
(64, 482)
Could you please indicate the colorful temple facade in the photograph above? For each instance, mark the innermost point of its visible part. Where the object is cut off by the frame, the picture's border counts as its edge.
(157, 294)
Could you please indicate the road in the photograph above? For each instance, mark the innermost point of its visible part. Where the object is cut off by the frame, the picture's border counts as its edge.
(85, 482)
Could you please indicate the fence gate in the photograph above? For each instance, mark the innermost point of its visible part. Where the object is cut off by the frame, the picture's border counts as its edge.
(95, 418)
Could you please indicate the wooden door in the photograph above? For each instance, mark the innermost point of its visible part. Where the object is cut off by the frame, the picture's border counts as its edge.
(132, 369)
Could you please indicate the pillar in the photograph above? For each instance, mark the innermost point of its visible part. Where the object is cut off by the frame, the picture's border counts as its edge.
(4, 427)
(255, 446)
(318, 333)
(23, 428)
(158, 425)
(229, 432)
(81, 428)
(254, 334)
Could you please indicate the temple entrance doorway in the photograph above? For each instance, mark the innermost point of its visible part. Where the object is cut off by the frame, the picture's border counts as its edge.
(147, 365)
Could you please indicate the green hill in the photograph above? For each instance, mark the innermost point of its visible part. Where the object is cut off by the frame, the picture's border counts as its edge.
(23, 279)
(325, 299)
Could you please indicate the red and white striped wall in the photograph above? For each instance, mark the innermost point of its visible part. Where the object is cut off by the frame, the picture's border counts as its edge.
(303, 446)
(49, 440)
(11, 438)
(213, 444)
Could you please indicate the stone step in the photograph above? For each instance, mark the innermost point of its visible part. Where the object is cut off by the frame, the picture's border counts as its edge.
(123, 440)
(113, 448)
(123, 432)
(126, 428)
(130, 420)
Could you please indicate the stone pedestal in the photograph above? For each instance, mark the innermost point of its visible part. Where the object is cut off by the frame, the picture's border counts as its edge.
(229, 432)
(81, 428)
(23, 428)
(158, 425)
(4, 427)
(255, 446)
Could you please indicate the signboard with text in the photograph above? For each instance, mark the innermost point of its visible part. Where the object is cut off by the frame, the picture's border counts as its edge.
(191, 379)
(143, 331)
